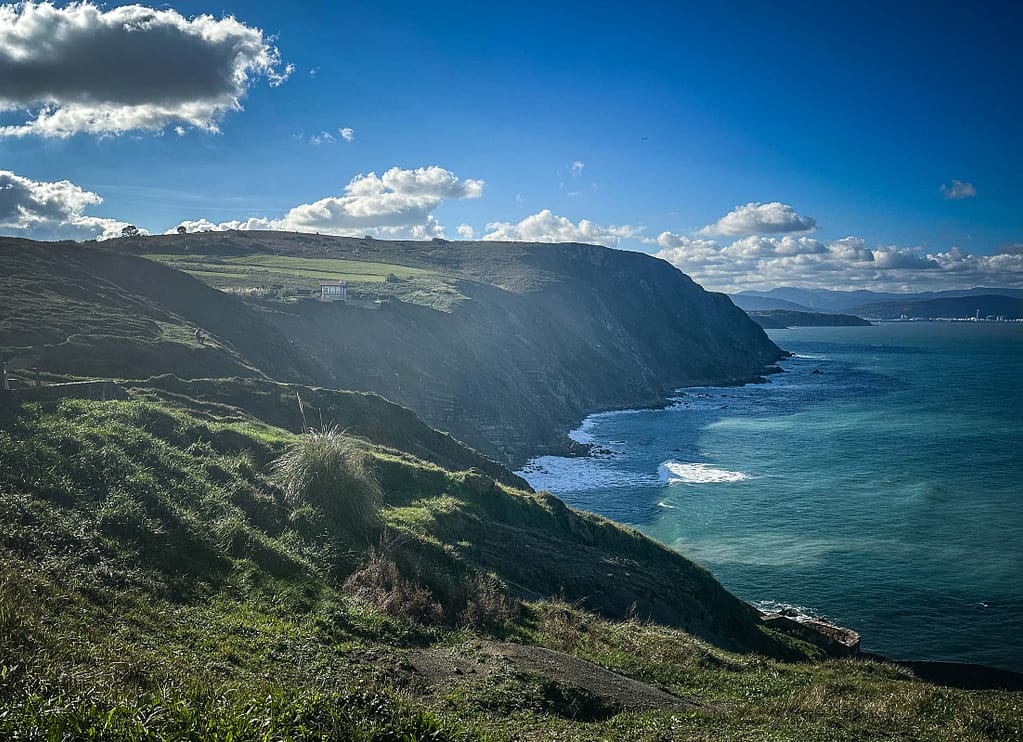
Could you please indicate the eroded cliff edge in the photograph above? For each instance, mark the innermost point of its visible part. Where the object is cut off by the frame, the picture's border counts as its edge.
(535, 337)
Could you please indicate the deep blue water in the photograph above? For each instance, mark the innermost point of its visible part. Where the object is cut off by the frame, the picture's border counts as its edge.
(884, 493)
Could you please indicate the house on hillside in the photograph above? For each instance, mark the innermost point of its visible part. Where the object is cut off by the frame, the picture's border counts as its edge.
(333, 290)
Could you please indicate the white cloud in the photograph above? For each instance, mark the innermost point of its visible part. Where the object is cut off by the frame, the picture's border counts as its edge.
(759, 218)
(466, 232)
(81, 69)
(852, 249)
(847, 263)
(205, 225)
(325, 137)
(399, 204)
(756, 247)
(546, 227)
(958, 190)
(577, 168)
(51, 210)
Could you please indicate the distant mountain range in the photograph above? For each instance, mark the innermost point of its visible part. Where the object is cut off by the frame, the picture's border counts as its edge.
(985, 302)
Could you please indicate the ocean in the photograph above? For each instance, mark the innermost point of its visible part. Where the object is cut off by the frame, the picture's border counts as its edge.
(876, 483)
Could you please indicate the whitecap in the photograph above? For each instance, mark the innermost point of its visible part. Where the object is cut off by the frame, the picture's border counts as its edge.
(798, 612)
(674, 472)
(561, 475)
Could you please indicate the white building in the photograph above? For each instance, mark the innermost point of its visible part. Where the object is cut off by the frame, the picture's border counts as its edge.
(333, 290)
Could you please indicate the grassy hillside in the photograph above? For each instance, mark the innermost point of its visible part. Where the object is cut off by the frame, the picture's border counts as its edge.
(81, 312)
(164, 576)
(504, 345)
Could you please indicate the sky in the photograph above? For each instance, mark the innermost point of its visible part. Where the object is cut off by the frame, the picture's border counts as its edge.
(753, 145)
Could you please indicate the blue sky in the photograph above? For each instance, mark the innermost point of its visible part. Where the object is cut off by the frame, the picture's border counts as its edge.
(751, 145)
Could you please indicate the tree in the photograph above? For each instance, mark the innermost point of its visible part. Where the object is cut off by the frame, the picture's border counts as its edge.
(130, 231)
(182, 229)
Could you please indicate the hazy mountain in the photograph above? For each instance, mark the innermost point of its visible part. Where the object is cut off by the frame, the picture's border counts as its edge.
(825, 300)
(984, 306)
(755, 303)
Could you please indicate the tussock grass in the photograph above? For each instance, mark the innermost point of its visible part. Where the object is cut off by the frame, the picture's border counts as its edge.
(329, 471)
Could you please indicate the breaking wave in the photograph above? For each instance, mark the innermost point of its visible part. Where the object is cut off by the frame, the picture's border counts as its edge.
(674, 472)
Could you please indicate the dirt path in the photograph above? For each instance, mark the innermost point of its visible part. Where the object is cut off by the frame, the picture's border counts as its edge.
(447, 667)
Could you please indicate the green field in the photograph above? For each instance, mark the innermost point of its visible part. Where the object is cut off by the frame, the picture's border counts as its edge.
(249, 271)
(284, 277)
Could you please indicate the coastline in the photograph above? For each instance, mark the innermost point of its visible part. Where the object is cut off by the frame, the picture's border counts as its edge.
(568, 447)
(958, 674)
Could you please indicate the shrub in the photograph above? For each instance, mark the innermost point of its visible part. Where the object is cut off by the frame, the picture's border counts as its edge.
(560, 624)
(327, 470)
(380, 583)
(486, 605)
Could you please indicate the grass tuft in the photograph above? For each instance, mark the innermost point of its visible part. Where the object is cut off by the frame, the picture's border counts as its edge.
(327, 470)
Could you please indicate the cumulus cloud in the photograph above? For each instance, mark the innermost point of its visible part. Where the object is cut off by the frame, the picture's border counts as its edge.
(466, 232)
(205, 225)
(958, 190)
(755, 247)
(398, 204)
(544, 226)
(758, 218)
(847, 263)
(82, 69)
(576, 168)
(893, 256)
(347, 133)
(51, 210)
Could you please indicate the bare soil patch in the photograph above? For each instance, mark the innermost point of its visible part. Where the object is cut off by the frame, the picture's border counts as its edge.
(443, 669)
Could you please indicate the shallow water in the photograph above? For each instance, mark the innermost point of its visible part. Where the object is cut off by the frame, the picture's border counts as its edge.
(883, 493)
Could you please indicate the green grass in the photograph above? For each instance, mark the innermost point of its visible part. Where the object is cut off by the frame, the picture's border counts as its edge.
(157, 582)
(328, 470)
(262, 269)
(285, 277)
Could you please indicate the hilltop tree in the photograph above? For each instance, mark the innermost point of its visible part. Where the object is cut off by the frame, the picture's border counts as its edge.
(131, 231)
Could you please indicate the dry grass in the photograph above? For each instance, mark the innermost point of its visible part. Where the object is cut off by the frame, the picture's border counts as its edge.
(381, 584)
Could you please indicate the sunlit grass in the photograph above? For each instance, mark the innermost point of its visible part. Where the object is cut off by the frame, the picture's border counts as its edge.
(158, 582)
(284, 269)
(330, 471)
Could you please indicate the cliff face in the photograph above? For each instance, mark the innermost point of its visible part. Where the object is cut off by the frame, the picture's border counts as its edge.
(509, 370)
(540, 335)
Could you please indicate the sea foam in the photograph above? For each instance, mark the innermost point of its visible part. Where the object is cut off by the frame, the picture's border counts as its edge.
(674, 472)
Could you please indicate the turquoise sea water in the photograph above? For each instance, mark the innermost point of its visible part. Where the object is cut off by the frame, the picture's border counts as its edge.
(884, 493)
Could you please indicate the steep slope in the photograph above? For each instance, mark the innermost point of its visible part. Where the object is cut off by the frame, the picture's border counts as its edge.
(505, 345)
(159, 582)
(79, 311)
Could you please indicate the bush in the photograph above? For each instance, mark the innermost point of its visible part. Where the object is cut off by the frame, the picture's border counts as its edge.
(327, 470)
(381, 584)
(486, 605)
